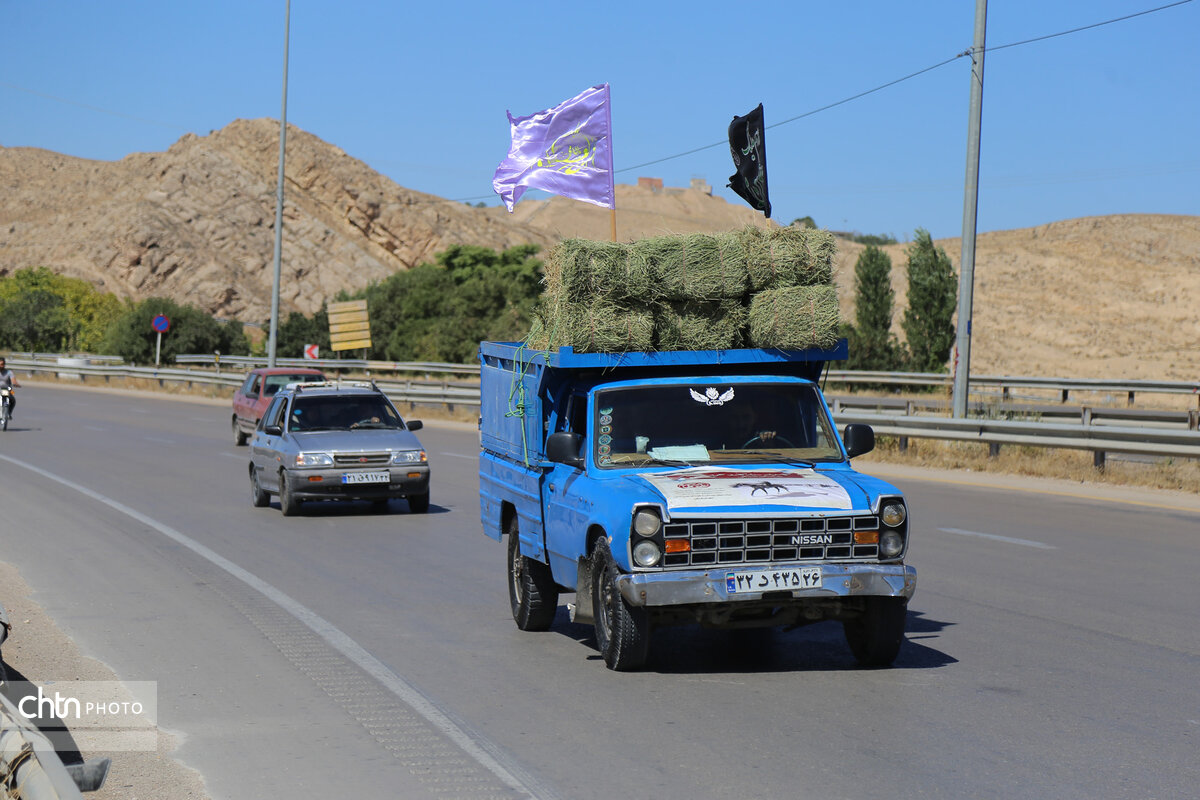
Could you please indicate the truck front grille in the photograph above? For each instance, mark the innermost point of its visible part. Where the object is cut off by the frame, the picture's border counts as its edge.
(720, 542)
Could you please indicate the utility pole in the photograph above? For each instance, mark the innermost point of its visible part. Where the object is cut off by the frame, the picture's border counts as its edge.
(271, 338)
(966, 276)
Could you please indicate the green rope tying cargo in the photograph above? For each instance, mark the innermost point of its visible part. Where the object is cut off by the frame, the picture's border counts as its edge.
(518, 410)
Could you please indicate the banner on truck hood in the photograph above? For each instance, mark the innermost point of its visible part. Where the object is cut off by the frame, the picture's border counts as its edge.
(715, 486)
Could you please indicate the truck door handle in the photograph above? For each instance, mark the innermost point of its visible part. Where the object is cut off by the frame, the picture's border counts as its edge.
(552, 487)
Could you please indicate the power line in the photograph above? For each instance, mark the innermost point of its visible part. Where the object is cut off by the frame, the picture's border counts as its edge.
(702, 148)
(1086, 27)
(97, 109)
(909, 77)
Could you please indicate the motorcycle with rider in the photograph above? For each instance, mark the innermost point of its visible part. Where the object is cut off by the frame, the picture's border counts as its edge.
(8, 398)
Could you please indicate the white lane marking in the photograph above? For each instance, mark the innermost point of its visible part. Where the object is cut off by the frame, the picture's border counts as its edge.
(336, 638)
(459, 455)
(995, 538)
(157, 439)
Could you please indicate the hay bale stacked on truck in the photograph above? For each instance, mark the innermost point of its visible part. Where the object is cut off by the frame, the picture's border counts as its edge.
(745, 288)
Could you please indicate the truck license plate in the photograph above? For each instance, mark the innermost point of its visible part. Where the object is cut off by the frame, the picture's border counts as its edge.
(772, 580)
(366, 477)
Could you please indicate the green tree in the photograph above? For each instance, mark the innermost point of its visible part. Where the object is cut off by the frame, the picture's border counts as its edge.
(298, 330)
(193, 330)
(932, 297)
(88, 312)
(440, 312)
(873, 346)
(35, 320)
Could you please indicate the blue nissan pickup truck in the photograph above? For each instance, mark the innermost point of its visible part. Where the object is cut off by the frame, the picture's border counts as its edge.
(686, 487)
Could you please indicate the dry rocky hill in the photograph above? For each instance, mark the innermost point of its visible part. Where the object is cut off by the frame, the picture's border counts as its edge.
(1105, 296)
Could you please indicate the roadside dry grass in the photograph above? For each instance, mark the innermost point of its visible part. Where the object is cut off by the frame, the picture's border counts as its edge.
(1038, 462)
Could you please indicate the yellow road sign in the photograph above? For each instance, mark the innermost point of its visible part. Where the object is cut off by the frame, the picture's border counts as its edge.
(349, 328)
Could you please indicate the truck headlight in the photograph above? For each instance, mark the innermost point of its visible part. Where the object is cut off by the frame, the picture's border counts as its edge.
(646, 553)
(646, 522)
(891, 544)
(893, 515)
(314, 460)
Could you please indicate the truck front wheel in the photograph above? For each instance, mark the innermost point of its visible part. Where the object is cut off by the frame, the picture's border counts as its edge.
(532, 592)
(622, 631)
(875, 637)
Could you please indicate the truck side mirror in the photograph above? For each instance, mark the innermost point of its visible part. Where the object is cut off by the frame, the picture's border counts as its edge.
(859, 439)
(563, 447)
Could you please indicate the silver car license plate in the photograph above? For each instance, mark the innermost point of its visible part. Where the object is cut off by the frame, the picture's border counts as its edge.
(366, 477)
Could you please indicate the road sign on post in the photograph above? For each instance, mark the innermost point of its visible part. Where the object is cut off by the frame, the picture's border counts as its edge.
(348, 325)
(161, 324)
(310, 351)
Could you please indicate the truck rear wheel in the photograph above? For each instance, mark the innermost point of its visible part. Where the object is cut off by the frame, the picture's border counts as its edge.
(875, 637)
(622, 630)
(532, 592)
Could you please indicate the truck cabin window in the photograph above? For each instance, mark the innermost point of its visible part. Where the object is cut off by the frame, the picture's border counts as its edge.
(742, 423)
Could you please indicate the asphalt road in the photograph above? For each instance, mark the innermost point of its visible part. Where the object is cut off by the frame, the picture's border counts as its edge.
(1053, 649)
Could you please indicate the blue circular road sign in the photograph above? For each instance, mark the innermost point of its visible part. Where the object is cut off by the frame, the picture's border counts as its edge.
(161, 323)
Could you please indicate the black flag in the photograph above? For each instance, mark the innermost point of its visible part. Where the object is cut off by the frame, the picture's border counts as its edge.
(748, 145)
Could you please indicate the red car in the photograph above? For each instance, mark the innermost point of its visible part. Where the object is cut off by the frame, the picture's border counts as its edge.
(252, 399)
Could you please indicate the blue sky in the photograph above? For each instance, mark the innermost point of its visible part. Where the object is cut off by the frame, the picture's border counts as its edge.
(1102, 121)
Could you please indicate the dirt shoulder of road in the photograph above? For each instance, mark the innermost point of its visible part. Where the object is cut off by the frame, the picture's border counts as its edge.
(38, 650)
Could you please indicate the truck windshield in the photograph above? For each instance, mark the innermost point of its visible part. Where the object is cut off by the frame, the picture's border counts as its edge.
(706, 423)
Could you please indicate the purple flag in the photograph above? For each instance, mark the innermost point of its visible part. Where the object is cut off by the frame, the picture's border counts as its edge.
(565, 150)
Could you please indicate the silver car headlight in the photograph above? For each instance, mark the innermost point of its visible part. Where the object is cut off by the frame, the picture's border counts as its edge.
(314, 460)
(409, 457)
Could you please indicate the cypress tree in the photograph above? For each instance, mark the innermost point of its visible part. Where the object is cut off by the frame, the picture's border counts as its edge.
(932, 297)
(873, 346)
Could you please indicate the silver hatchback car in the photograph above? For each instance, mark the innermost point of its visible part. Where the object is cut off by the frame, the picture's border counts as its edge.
(336, 441)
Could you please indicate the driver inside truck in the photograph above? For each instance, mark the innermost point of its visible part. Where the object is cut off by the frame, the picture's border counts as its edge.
(743, 428)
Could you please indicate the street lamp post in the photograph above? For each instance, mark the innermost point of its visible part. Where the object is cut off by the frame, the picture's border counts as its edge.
(271, 338)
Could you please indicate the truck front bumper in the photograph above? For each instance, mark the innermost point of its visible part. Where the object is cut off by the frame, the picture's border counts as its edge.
(698, 587)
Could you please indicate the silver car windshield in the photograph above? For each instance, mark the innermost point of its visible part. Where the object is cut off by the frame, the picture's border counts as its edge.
(340, 413)
(742, 423)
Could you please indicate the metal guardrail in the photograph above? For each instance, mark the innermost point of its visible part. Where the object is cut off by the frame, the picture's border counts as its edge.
(1084, 415)
(1091, 433)
(360, 365)
(444, 392)
(1005, 383)
(1100, 440)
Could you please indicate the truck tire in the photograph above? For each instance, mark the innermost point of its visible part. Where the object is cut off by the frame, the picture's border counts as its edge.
(289, 504)
(532, 592)
(875, 637)
(622, 630)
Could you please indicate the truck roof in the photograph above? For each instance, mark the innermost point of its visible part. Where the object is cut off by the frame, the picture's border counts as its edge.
(804, 363)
